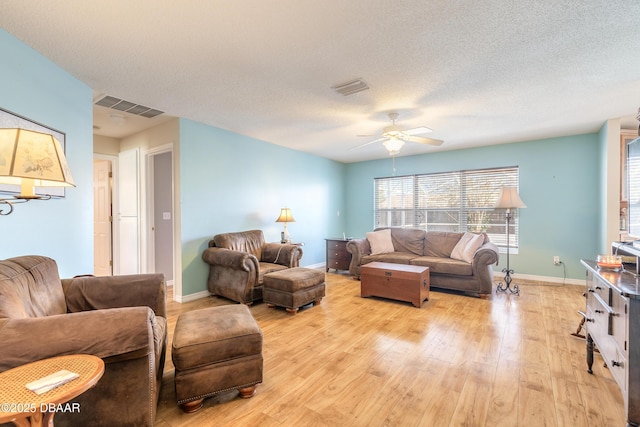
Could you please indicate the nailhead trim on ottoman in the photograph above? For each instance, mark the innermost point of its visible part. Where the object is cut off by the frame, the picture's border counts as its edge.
(294, 287)
(214, 350)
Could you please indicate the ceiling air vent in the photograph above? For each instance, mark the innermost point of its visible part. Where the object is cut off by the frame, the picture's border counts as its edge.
(129, 107)
(351, 87)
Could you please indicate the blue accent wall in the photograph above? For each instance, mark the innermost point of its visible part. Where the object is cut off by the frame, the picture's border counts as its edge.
(34, 87)
(231, 182)
(559, 183)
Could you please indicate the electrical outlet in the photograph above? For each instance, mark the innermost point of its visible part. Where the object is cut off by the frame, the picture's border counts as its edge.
(556, 260)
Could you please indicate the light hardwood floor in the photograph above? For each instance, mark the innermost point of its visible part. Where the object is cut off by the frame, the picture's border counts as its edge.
(458, 361)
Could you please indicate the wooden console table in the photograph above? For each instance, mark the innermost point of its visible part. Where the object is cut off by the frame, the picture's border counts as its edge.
(612, 323)
(24, 407)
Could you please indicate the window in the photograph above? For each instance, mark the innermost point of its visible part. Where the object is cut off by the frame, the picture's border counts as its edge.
(451, 201)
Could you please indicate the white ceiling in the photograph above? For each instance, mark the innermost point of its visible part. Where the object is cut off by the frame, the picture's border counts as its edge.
(476, 72)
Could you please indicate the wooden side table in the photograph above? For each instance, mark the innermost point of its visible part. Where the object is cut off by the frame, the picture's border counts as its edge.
(338, 257)
(23, 407)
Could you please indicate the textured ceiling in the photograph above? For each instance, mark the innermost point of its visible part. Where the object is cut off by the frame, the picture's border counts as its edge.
(476, 72)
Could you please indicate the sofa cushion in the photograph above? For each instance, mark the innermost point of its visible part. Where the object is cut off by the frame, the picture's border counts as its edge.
(250, 241)
(30, 287)
(408, 240)
(380, 241)
(467, 246)
(438, 265)
(266, 268)
(440, 243)
(392, 257)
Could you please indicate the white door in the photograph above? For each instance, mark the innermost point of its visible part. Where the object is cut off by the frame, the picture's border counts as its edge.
(129, 213)
(102, 217)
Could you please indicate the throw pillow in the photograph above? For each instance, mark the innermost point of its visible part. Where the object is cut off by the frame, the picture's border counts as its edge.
(467, 247)
(380, 241)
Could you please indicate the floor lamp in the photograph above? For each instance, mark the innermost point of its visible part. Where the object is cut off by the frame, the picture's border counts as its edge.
(508, 200)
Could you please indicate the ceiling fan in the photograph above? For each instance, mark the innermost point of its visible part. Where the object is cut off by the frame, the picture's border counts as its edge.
(394, 136)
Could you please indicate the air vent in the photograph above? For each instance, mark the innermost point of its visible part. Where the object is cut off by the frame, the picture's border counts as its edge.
(129, 107)
(349, 88)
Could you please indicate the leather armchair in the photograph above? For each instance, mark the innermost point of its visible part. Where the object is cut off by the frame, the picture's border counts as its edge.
(238, 262)
(121, 319)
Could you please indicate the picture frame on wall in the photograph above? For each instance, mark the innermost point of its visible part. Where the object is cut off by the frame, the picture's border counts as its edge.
(9, 120)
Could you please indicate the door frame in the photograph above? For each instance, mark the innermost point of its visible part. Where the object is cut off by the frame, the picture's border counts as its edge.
(114, 206)
(148, 198)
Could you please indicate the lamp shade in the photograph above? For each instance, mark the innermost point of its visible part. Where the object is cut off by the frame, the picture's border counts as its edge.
(509, 199)
(29, 158)
(285, 216)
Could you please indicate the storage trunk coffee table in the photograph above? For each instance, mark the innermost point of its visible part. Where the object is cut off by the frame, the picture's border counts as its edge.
(401, 282)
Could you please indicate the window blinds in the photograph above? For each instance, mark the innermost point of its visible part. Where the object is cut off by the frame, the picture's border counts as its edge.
(450, 201)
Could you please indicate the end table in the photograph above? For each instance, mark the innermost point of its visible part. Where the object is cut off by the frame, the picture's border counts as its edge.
(24, 407)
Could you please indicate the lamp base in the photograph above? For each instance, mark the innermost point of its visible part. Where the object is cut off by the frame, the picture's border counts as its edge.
(506, 286)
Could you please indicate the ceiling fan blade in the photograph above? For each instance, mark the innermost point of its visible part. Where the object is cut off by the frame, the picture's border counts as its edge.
(368, 143)
(423, 140)
(417, 131)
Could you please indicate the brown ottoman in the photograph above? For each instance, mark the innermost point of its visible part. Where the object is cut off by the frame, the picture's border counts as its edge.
(292, 288)
(215, 350)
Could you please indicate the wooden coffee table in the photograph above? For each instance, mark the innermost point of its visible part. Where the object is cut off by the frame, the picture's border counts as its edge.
(401, 282)
(24, 407)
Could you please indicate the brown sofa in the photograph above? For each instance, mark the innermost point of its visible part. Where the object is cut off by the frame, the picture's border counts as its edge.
(121, 319)
(238, 262)
(433, 249)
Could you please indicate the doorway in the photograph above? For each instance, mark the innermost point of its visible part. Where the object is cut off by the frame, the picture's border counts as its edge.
(103, 215)
(160, 242)
(120, 243)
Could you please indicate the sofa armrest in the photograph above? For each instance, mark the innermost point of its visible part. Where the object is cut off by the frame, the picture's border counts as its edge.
(283, 254)
(228, 258)
(486, 254)
(134, 290)
(357, 248)
(124, 333)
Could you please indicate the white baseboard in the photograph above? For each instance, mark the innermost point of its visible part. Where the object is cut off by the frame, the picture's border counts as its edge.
(541, 280)
(192, 297)
(315, 266)
(530, 278)
(206, 294)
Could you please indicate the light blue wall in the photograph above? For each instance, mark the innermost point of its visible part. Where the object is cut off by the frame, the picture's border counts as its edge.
(35, 88)
(559, 183)
(601, 190)
(230, 182)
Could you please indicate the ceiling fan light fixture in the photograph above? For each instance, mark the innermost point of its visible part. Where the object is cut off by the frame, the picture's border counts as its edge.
(393, 145)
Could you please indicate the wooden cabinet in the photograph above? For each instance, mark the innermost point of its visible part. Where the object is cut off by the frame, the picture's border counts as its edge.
(613, 326)
(337, 256)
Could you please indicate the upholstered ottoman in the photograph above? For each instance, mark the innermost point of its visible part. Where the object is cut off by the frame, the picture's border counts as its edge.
(215, 350)
(292, 288)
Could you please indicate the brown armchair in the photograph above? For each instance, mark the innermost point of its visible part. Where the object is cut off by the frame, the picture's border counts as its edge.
(239, 261)
(121, 319)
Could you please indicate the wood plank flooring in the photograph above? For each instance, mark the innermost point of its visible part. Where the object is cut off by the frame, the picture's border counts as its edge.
(458, 361)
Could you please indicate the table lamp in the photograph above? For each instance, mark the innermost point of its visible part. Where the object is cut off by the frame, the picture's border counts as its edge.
(285, 216)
